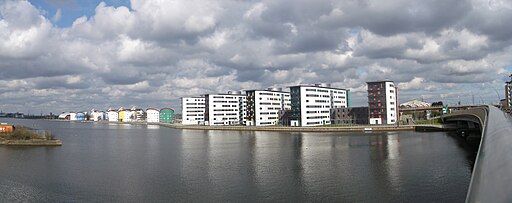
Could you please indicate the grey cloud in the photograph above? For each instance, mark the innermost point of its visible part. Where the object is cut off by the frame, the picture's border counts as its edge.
(313, 41)
(149, 56)
(402, 17)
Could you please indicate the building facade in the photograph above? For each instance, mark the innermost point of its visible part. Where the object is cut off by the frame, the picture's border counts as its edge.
(98, 115)
(138, 114)
(167, 115)
(192, 110)
(72, 116)
(352, 115)
(152, 115)
(263, 106)
(508, 94)
(225, 109)
(311, 104)
(112, 115)
(382, 102)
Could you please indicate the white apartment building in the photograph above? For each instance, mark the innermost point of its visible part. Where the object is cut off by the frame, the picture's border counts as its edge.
(225, 109)
(128, 116)
(311, 104)
(97, 115)
(112, 115)
(382, 102)
(152, 115)
(263, 106)
(72, 116)
(192, 110)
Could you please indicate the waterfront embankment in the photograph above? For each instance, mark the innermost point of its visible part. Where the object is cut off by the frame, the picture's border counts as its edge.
(31, 142)
(355, 128)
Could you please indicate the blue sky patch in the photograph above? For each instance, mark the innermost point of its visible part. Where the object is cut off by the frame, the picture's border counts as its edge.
(72, 9)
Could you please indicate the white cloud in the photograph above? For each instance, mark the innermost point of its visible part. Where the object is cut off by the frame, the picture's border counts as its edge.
(57, 16)
(191, 47)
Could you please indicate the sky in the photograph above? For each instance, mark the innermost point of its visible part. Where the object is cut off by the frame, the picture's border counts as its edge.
(71, 55)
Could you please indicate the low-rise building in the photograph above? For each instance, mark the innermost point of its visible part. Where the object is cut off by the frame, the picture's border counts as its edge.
(192, 110)
(352, 115)
(65, 116)
(153, 115)
(167, 115)
(80, 116)
(112, 115)
(263, 106)
(311, 104)
(72, 116)
(225, 109)
(138, 114)
(97, 115)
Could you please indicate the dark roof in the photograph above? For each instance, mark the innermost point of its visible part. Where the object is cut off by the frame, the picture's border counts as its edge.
(380, 81)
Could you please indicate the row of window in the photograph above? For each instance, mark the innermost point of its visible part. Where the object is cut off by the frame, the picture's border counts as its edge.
(317, 111)
(196, 99)
(196, 111)
(316, 117)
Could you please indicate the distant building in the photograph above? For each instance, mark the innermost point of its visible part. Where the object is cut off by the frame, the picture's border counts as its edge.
(353, 115)
(508, 94)
(311, 104)
(263, 106)
(382, 102)
(138, 114)
(121, 115)
(98, 115)
(72, 116)
(415, 104)
(65, 116)
(152, 115)
(192, 110)
(80, 116)
(125, 115)
(167, 115)
(225, 109)
(112, 115)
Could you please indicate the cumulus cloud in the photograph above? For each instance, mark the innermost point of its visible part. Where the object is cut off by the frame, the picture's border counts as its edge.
(154, 52)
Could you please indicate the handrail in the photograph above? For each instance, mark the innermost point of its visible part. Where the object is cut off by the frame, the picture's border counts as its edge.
(491, 180)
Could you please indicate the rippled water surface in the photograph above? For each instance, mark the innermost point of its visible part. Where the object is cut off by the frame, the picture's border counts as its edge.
(102, 162)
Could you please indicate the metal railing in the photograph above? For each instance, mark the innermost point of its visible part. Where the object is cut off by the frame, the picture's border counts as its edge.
(491, 180)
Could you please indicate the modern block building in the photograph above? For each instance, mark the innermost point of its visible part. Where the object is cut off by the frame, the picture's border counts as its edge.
(508, 94)
(225, 109)
(382, 102)
(352, 115)
(192, 110)
(311, 104)
(167, 115)
(152, 115)
(263, 106)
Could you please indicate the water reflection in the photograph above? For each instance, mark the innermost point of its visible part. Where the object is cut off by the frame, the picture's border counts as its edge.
(104, 163)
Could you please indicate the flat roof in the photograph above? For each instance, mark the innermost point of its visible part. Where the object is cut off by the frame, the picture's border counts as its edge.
(381, 81)
(267, 91)
(226, 94)
(336, 88)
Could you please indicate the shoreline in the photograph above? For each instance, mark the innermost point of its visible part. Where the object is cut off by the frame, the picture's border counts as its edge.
(354, 128)
(365, 128)
(31, 142)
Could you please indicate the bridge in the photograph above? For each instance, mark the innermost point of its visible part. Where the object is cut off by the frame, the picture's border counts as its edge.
(491, 180)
